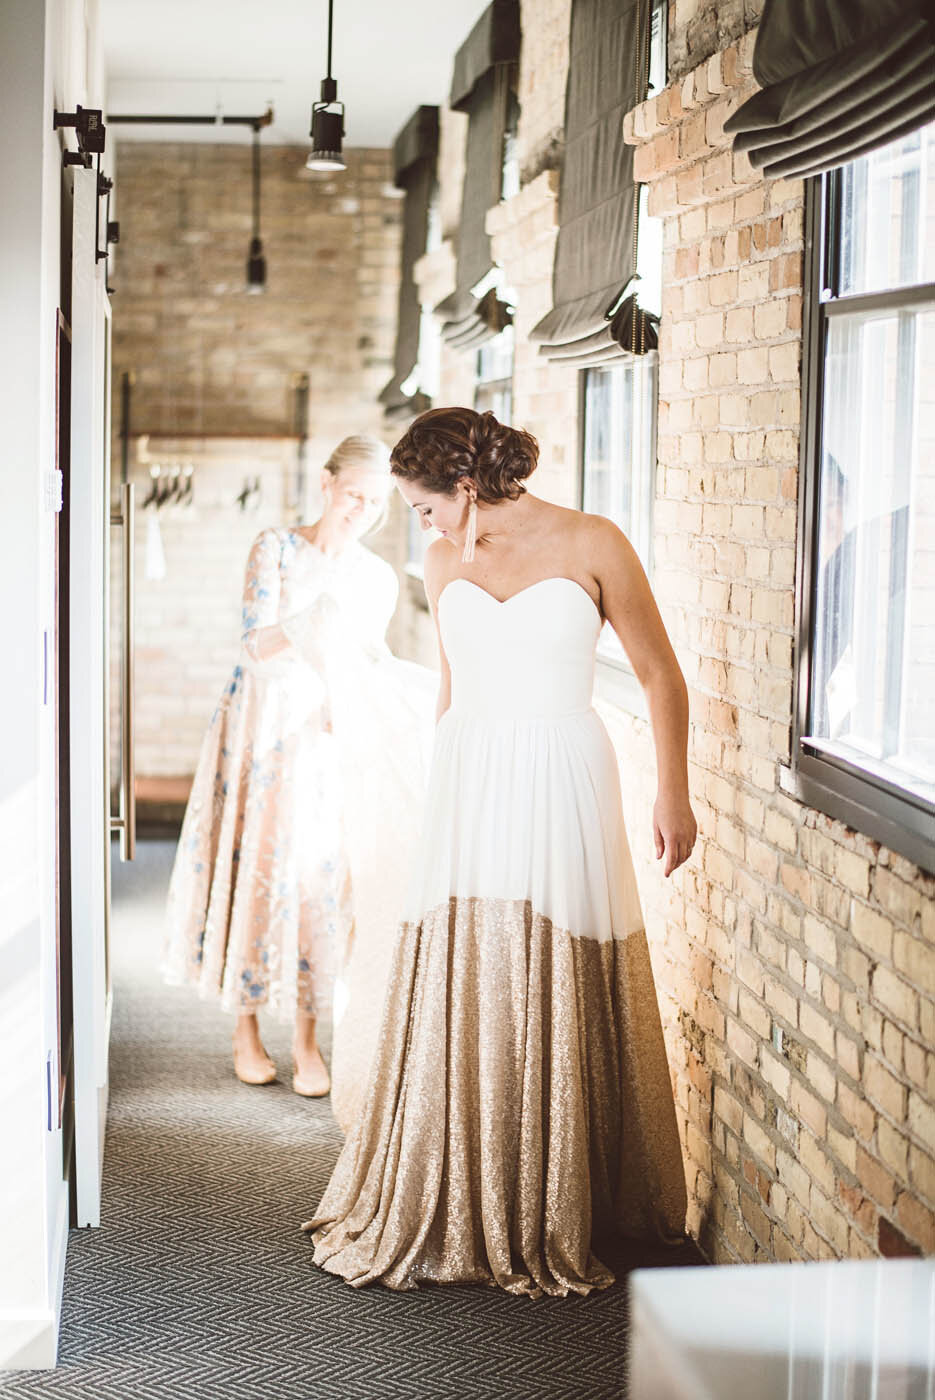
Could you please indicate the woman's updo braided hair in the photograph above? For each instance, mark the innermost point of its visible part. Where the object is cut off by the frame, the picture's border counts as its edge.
(446, 444)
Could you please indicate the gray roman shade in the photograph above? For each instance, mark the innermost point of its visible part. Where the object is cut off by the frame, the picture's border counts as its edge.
(414, 153)
(480, 87)
(839, 78)
(592, 319)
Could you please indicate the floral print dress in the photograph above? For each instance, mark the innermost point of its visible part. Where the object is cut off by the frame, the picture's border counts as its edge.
(261, 897)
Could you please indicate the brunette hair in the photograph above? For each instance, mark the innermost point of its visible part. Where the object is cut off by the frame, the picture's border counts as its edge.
(446, 444)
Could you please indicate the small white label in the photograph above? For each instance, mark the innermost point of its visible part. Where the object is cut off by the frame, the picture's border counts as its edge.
(53, 491)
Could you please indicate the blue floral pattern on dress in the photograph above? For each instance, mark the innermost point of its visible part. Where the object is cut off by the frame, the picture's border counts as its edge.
(260, 895)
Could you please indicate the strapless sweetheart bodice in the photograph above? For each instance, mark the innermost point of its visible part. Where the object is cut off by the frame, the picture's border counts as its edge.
(530, 656)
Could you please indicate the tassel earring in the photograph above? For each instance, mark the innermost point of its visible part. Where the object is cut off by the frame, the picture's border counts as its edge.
(470, 537)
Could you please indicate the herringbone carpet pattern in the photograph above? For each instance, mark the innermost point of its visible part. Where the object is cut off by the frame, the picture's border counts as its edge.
(199, 1285)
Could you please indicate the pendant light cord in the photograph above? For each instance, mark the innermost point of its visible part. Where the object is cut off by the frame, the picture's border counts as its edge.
(330, 20)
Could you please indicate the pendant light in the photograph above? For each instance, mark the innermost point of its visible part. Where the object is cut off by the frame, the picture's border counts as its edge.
(256, 262)
(327, 119)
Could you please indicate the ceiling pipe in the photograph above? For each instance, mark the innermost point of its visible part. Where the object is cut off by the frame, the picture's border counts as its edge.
(135, 119)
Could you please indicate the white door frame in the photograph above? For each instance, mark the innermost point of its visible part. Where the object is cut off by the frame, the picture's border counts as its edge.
(90, 798)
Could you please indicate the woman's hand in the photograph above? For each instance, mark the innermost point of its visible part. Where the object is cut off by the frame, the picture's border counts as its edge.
(674, 829)
(314, 632)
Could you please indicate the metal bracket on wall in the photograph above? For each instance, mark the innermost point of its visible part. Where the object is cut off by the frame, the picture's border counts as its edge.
(111, 227)
(89, 128)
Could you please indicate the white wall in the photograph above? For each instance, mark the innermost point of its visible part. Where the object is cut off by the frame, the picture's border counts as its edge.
(46, 50)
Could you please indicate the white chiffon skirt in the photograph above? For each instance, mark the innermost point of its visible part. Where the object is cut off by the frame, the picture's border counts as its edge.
(528, 810)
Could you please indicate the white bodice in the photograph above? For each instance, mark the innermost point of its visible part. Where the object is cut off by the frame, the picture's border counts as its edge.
(524, 799)
(532, 655)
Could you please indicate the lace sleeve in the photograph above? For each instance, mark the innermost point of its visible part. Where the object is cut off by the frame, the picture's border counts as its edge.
(262, 637)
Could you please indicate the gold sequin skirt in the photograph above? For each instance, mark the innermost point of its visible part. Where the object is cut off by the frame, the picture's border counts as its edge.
(518, 1106)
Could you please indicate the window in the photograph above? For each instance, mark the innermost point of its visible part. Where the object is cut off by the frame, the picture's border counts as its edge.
(510, 176)
(493, 392)
(865, 723)
(417, 542)
(433, 228)
(428, 368)
(618, 418)
(658, 58)
(619, 457)
(425, 379)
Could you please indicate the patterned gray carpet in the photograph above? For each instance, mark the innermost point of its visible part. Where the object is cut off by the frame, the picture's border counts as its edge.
(199, 1283)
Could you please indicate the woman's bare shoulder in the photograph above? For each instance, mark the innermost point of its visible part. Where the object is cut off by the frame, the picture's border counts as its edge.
(575, 525)
(605, 540)
(588, 537)
(439, 566)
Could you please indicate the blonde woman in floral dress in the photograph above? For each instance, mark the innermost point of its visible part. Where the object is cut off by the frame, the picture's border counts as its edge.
(273, 884)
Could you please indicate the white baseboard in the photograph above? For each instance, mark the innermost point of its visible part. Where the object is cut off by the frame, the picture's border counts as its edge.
(29, 1340)
(57, 1263)
(28, 1343)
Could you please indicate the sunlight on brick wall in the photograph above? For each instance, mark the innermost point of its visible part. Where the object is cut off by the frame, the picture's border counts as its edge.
(214, 384)
(795, 958)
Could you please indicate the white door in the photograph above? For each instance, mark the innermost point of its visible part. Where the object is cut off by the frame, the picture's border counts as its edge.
(90, 515)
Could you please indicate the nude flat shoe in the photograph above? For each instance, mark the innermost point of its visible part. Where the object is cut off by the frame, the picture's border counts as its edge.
(316, 1086)
(265, 1075)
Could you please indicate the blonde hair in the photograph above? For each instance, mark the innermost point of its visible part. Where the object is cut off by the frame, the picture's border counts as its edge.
(362, 450)
(359, 450)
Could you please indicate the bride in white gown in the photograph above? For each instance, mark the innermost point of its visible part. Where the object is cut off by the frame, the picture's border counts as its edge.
(519, 1100)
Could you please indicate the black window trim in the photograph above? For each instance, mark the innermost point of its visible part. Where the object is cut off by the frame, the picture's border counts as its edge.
(817, 776)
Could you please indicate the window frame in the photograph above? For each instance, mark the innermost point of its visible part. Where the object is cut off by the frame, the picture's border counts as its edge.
(821, 774)
(658, 65)
(412, 567)
(490, 386)
(618, 680)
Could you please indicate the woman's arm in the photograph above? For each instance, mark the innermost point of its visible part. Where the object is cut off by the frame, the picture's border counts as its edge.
(262, 636)
(438, 569)
(631, 610)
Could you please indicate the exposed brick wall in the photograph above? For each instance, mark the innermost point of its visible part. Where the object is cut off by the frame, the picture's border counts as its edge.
(801, 960)
(188, 623)
(214, 377)
(208, 357)
(795, 958)
(541, 87)
(700, 28)
(545, 397)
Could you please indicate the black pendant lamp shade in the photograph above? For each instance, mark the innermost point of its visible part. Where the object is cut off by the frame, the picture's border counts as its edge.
(256, 262)
(327, 119)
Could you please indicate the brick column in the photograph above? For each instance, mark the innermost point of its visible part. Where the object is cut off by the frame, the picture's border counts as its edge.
(797, 958)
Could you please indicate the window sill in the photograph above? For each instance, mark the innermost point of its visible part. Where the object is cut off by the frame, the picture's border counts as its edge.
(894, 821)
